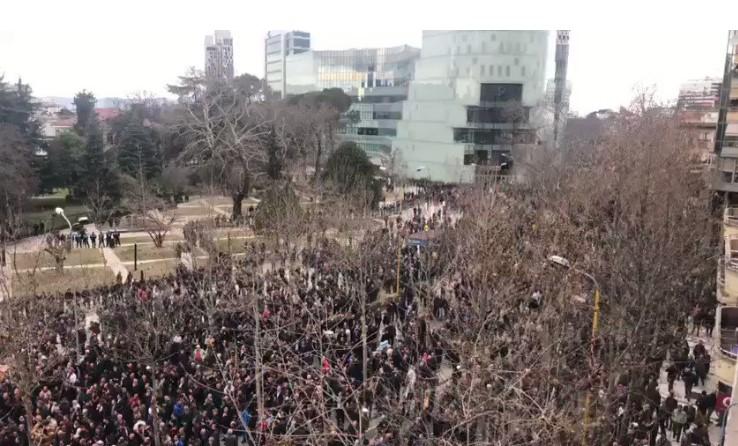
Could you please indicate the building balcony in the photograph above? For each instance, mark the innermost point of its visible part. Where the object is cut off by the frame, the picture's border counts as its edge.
(720, 184)
(730, 216)
(727, 344)
(728, 272)
(474, 148)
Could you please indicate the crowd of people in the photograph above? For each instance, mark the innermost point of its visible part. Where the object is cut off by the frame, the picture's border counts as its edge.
(314, 349)
(206, 388)
(106, 239)
(682, 417)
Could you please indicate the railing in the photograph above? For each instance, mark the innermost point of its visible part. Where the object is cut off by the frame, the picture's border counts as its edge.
(731, 263)
(729, 341)
(731, 216)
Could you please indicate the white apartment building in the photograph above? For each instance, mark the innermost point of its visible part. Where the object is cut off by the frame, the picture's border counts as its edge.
(473, 105)
(277, 46)
(219, 55)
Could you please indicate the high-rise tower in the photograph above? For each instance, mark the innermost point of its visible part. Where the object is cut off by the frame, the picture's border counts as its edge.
(561, 104)
(219, 55)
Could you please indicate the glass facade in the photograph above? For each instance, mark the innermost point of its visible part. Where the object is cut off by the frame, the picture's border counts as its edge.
(377, 80)
(351, 70)
(277, 46)
(365, 68)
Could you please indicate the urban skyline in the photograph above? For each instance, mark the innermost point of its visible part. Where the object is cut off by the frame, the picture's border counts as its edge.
(652, 59)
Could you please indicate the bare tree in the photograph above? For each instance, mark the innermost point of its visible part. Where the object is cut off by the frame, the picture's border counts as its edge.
(30, 363)
(227, 131)
(99, 202)
(58, 248)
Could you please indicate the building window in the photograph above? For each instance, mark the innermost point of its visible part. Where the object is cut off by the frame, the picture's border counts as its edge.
(507, 71)
(501, 92)
(468, 49)
(474, 60)
(481, 70)
(492, 37)
(484, 47)
(498, 115)
(499, 70)
(370, 131)
(516, 61)
(387, 115)
(522, 71)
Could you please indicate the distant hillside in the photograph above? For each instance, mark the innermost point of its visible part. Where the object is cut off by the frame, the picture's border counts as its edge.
(101, 102)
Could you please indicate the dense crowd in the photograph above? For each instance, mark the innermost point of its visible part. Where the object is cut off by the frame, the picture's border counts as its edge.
(204, 380)
(241, 353)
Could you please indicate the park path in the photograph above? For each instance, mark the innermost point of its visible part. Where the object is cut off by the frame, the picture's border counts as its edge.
(679, 394)
(215, 208)
(111, 258)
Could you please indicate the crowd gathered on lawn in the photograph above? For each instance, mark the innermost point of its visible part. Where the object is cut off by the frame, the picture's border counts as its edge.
(312, 348)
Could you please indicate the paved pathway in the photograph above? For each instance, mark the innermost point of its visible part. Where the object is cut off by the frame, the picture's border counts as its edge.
(111, 258)
(714, 429)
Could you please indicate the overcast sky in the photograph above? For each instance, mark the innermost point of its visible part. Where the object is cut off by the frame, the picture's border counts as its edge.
(136, 45)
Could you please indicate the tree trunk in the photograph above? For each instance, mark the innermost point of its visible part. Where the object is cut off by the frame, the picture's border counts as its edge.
(236, 214)
(318, 154)
(154, 407)
(364, 359)
(28, 406)
(59, 264)
(260, 416)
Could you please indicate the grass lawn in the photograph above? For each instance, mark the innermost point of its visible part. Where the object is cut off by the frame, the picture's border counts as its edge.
(216, 201)
(195, 212)
(73, 212)
(149, 252)
(139, 238)
(145, 252)
(154, 269)
(234, 232)
(81, 256)
(52, 282)
(238, 245)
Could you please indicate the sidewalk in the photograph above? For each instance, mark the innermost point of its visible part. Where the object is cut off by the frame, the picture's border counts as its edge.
(710, 386)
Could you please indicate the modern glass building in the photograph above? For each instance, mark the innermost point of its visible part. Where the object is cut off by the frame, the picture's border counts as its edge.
(462, 109)
(474, 105)
(377, 80)
(277, 46)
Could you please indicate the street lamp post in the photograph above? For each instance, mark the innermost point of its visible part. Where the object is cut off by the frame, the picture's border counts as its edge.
(562, 261)
(60, 212)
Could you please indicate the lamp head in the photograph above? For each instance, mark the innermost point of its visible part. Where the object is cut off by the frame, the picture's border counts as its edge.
(59, 211)
(561, 261)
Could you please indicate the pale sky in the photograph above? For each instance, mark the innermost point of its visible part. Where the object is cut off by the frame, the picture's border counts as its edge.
(134, 46)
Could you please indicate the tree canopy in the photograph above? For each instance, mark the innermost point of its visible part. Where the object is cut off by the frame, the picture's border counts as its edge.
(333, 97)
(84, 101)
(350, 172)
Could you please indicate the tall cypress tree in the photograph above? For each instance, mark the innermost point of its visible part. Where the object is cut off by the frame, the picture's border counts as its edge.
(137, 150)
(84, 102)
(97, 167)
